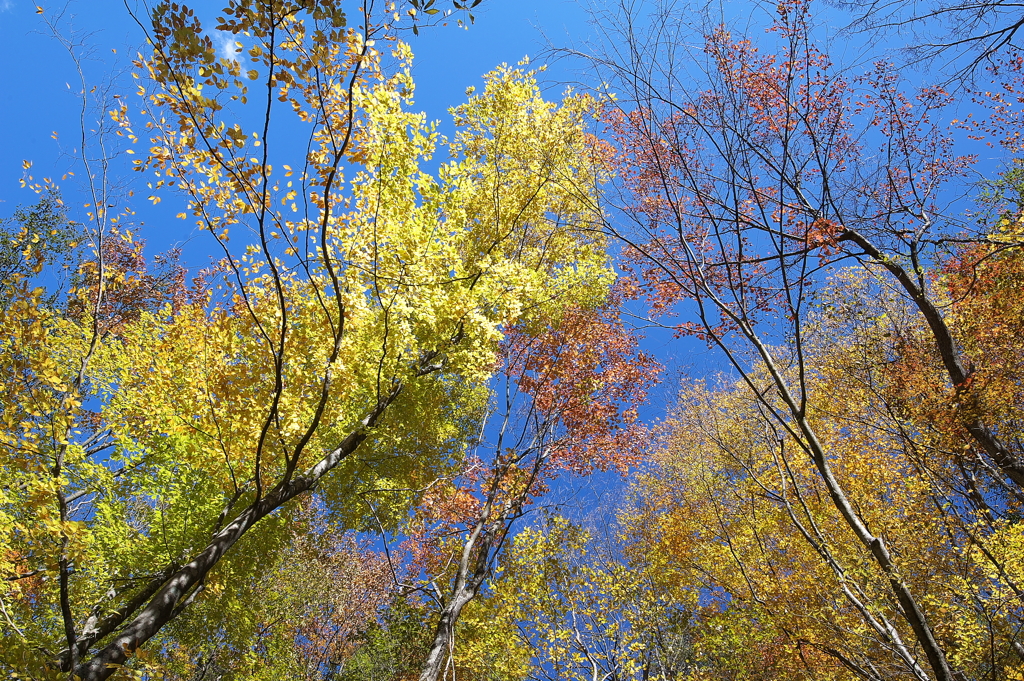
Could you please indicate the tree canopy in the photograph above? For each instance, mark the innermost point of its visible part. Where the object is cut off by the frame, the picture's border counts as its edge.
(342, 450)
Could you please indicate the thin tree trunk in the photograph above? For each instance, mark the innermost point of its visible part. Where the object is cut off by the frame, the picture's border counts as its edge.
(444, 635)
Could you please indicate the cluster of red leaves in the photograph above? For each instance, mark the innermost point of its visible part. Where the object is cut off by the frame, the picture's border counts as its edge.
(918, 149)
(581, 382)
(132, 285)
(587, 378)
(734, 186)
(1003, 102)
(442, 513)
(709, 216)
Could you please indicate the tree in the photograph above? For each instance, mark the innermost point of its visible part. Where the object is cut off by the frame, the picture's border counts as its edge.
(735, 508)
(587, 610)
(742, 193)
(972, 31)
(301, 618)
(572, 391)
(38, 238)
(157, 440)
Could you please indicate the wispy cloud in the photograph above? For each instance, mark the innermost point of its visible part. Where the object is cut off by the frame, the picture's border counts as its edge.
(225, 43)
(6, 5)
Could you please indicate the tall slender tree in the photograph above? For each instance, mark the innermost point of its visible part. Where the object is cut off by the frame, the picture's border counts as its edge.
(745, 186)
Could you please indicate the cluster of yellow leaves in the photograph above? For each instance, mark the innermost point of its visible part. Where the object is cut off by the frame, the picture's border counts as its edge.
(567, 604)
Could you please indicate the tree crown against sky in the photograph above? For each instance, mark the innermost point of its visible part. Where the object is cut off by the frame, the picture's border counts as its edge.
(319, 457)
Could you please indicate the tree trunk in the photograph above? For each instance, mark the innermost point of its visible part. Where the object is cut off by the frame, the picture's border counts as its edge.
(444, 635)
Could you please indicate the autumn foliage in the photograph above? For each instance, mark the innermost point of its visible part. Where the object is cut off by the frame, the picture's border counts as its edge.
(187, 464)
(843, 503)
(404, 425)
